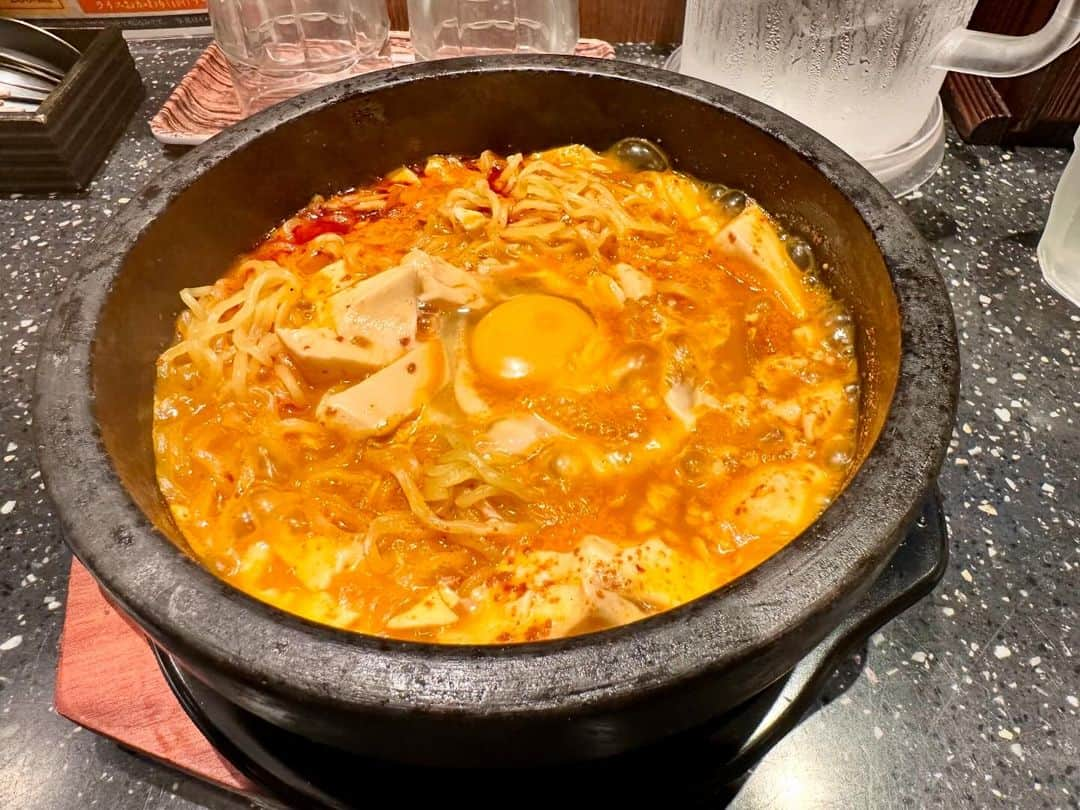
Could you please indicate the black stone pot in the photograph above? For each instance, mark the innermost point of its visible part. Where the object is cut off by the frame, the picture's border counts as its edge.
(579, 698)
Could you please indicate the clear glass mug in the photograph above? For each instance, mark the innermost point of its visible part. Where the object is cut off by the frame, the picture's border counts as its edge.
(278, 48)
(445, 28)
(864, 73)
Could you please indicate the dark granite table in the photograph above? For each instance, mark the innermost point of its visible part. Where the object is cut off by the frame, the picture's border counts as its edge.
(971, 699)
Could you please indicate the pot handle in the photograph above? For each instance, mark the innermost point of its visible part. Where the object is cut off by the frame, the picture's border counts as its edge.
(910, 575)
(984, 54)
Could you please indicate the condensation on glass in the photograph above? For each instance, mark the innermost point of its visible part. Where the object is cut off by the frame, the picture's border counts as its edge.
(278, 48)
(445, 28)
(864, 73)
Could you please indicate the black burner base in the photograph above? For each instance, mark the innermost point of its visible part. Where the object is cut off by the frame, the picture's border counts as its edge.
(702, 767)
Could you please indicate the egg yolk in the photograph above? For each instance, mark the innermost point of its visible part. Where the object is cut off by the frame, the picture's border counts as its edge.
(530, 338)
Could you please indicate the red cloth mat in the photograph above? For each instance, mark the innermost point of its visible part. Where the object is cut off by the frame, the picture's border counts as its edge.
(108, 681)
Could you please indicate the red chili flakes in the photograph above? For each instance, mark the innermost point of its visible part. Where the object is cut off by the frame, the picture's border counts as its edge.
(332, 222)
(539, 631)
(289, 409)
(274, 250)
(411, 368)
(493, 177)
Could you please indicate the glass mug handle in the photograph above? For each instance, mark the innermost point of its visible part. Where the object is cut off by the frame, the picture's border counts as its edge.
(983, 54)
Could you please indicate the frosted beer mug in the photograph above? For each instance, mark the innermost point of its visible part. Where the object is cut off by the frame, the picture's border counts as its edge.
(864, 73)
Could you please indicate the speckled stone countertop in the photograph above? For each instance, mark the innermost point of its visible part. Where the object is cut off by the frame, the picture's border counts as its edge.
(970, 699)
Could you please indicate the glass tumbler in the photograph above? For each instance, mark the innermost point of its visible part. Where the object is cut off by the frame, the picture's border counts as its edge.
(278, 48)
(444, 28)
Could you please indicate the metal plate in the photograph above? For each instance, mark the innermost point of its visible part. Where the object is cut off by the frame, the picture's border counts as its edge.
(38, 42)
(14, 59)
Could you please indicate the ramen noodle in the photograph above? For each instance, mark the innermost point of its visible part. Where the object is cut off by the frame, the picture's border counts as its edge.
(506, 399)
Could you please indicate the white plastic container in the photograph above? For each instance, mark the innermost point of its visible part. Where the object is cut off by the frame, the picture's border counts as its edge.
(1059, 248)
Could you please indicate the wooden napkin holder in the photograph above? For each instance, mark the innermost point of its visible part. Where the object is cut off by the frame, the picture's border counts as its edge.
(1038, 109)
